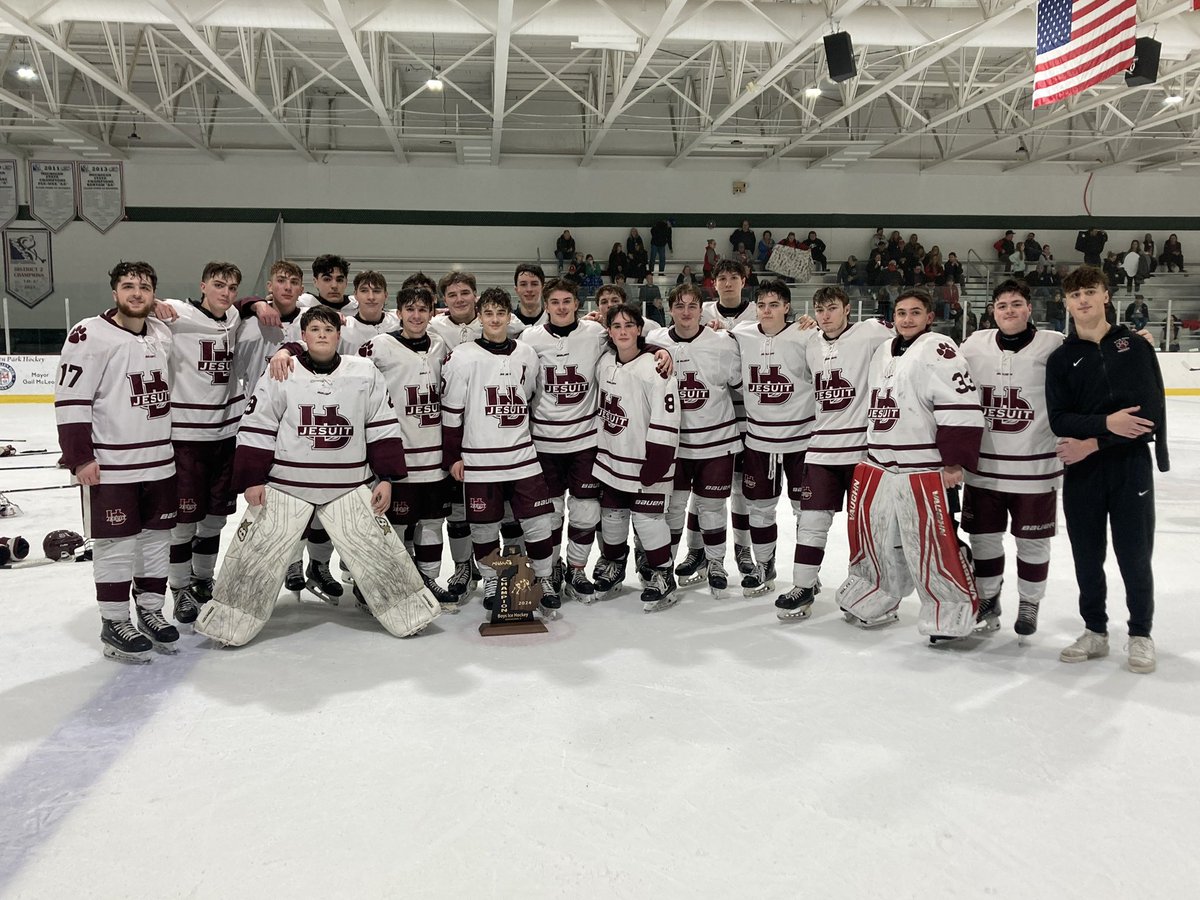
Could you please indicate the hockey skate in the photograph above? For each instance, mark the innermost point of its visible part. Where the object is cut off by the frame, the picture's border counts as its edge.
(693, 569)
(1027, 618)
(744, 559)
(761, 580)
(609, 577)
(360, 602)
(660, 593)
(577, 587)
(202, 590)
(464, 579)
(987, 619)
(446, 600)
(557, 574)
(347, 578)
(122, 642)
(491, 592)
(718, 581)
(322, 584)
(187, 605)
(797, 603)
(644, 570)
(163, 635)
(550, 600)
(294, 580)
(879, 621)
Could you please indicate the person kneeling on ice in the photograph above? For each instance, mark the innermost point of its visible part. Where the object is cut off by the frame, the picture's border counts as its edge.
(310, 446)
(924, 425)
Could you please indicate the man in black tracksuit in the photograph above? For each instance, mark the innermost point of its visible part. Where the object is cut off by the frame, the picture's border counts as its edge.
(1104, 392)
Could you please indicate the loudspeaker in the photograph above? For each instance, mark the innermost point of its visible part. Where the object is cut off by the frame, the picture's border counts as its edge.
(1145, 63)
(839, 54)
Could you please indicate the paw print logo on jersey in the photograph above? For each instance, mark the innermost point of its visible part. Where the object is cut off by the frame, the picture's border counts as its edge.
(832, 391)
(328, 430)
(366, 349)
(945, 351)
(1005, 411)
(770, 385)
(423, 405)
(215, 362)
(693, 393)
(612, 414)
(565, 385)
(149, 391)
(505, 406)
(78, 335)
(884, 413)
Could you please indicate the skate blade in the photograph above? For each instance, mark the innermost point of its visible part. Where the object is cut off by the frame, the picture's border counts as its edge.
(659, 605)
(548, 613)
(987, 626)
(137, 659)
(316, 591)
(719, 593)
(881, 622)
(164, 649)
(764, 588)
(452, 609)
(610, 593)
(689, 580)
(794, 615)
(965, 642)
(571, 594)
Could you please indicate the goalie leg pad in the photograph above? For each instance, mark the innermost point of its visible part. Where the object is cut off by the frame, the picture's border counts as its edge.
(873, 588)
(382, 570)
(251, 574)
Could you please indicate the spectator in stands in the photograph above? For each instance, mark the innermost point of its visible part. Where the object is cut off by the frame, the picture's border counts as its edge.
(660, 243)
(1056, 313)
(850, 274)
(1132, 266)
(914, 272)
(711, 258)
(1005, 248)
(687, 276)
(1172, 255)
(618, 262)
(564, 249)
(790, 241)
(895, 247)
(593, 275)
(634, 243)
(1045, 267)
(1148, 252)
(878, 240)
(988, 319)
(972, 322)
(1091, 244)
(875, 267)
(639, 266)
(954, 270)
(816, 247)
(1171, 334)
(1137, 313)
(743, 236)
(913, 250)
(892, 282)
(742, 255)
(1112, 269)
(1032, 249)
(765, 246)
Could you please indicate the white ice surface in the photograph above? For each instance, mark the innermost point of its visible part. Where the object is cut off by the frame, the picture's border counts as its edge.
(709, 750)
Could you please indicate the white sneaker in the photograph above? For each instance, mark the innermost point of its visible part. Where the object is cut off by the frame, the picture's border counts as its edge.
(1089, 645)
(1141, 655)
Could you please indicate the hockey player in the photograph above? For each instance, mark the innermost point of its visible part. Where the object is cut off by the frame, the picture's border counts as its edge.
(708, 372)
(371, 294)
(611, 295)
(635, 459)
(113, 407)
(206, 404)
(308, 446)
(779, 419)
(529, 282)
(257, 341)
(1104, 392)
(839, 359)
(487, 387)
(924, 427)
(1018, 473)
(730, 309)
(330, 273)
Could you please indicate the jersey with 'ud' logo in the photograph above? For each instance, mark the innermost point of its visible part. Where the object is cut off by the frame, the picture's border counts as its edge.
(708, 369)
(206, 400)
(639, 416)
(840, 366)
(564, 410)
(775, 383)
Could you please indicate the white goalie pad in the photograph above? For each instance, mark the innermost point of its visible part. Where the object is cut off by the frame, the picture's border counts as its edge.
(878, 576)
(382, 568)
(253, 569)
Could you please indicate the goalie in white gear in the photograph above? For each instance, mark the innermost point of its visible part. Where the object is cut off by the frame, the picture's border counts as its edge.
(924, 427)
(309, 446)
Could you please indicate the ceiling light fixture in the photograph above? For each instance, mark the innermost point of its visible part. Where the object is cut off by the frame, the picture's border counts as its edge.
(26, 72)
(1173, 100)
(812, 93)
(435, 81)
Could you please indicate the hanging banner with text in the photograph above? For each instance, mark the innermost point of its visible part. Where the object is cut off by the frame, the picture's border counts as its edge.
(28, 265)
(102, 194)
(52, 193)
(8, 191)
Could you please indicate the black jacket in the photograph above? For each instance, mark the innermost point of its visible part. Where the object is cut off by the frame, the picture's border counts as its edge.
(1086, 382)
(660, 234)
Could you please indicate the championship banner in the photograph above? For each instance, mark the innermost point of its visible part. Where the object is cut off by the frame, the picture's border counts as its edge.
(791, 263)
(27, 379)
(28, 265)
(52, 193)
(8, 191)
(102, 194)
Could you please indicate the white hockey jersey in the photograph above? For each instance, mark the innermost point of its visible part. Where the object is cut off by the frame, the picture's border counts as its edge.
(564, 410)
(453, 334)
(776, 387)
(486, 397)
(256, 345)
(746, 312)
(206, 398)
(840, 370)
(318, 436)
(639, 424)
(708, 370)
(924, 408)
(356, 332)
(348, 308)
(414, 380)
(517, 325)
(1017, 453)
(113, 400)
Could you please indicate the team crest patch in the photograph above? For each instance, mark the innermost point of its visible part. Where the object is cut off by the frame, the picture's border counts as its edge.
(187, 505)
(805, 493)
(749, 482)
(115, 516)
(1122, 344)
(945, 351)
(478, 504)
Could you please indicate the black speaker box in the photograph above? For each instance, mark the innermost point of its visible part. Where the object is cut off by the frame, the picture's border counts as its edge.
(1145, 63)
(839, 54)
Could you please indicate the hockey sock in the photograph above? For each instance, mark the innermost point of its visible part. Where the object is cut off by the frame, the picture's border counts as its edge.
(112, 568)
(677, 516)
(695, 539)
(150, 568)
(812, 533)
(655, 536)
(485, 537)
(1033, 565)
(987, 551)
(710, 516)
(206, 546)
(614, 533)
(583, 519)
(180, 573)
(427, 546)
(739, 508)
(763, 533)
(538, 544)
(318, 545)
(459, 534)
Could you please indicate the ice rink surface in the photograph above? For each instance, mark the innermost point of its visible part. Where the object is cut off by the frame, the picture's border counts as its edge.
(707, 751)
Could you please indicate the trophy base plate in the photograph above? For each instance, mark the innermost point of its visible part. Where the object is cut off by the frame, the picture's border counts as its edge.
(488, 629)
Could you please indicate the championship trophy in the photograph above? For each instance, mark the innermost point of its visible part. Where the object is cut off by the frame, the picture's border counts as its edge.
(519, 595)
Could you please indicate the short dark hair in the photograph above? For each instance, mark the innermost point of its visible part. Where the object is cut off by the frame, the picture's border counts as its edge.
(614, 288)
(1012, 286)
(570, 285)
(1084, 277)
(287, 267)
(140, 269)
(327, 262)
(917, 293)
(420, 279)
(320, 313)
(456, 277)
(774, 286)
(830, 293)
(494, 296)
(684, 290)
(530, 269)
(371, 278)
(633, 313)
(223, 269)
(730, 265)
(415, 294)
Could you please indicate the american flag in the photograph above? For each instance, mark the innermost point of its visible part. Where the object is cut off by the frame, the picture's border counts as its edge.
(1080, 43)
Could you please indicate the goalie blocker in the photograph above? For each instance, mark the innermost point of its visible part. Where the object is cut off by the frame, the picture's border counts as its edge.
(254, 566)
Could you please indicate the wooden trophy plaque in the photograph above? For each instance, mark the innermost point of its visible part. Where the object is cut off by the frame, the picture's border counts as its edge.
(519, 596)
